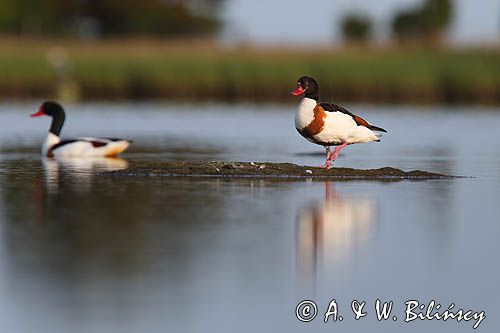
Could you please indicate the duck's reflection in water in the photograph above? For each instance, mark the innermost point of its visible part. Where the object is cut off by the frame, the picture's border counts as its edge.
(77, 170)
(329, 232)
(71, 176)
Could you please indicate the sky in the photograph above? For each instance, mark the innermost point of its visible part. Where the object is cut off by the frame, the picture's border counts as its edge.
(317, 21)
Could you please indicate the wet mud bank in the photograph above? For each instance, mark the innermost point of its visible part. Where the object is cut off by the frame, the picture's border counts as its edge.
(267, 170)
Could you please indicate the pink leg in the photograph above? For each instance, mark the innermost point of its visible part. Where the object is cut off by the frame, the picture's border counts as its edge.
(328, 158)
(336, 152)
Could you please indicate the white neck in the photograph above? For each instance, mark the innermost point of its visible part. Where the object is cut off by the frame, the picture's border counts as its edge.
(50, 140)
(305, 112)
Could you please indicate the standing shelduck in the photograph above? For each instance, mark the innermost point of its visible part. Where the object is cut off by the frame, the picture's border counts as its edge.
(328, 124)
(79, 147)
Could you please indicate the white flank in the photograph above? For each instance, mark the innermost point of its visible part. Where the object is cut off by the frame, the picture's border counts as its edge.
(83, 147)
(86, 149)
(341, 127)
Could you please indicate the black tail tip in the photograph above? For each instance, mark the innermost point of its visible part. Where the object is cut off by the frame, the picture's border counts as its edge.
(378, 129)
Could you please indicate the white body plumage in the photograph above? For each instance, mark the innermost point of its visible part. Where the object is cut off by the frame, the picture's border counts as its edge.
(336, 127)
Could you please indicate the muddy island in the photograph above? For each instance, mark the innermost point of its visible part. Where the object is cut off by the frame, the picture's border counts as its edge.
(266, 170)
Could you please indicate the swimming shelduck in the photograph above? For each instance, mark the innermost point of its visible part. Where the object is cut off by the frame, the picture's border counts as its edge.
(328, 124)
(79, 147)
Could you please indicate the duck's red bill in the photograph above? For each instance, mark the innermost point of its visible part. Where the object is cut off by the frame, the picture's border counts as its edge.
(298, 91)
(38, 114)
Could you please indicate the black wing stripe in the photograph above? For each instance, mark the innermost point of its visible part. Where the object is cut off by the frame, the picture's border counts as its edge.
(114, 139)
(98, 144)
(62, 143)
(94, 143)
(330, 107)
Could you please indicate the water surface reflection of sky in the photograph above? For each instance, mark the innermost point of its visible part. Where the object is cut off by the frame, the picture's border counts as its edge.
(81, 252)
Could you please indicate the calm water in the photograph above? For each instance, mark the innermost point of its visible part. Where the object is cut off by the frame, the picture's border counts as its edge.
(87, 253)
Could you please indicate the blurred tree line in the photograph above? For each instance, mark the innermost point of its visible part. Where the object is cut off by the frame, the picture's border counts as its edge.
(356, 28)
(427, 22)
(423, 23)
(109, 18)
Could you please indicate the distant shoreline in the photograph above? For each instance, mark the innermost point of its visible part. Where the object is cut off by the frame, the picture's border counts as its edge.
(141, 69)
